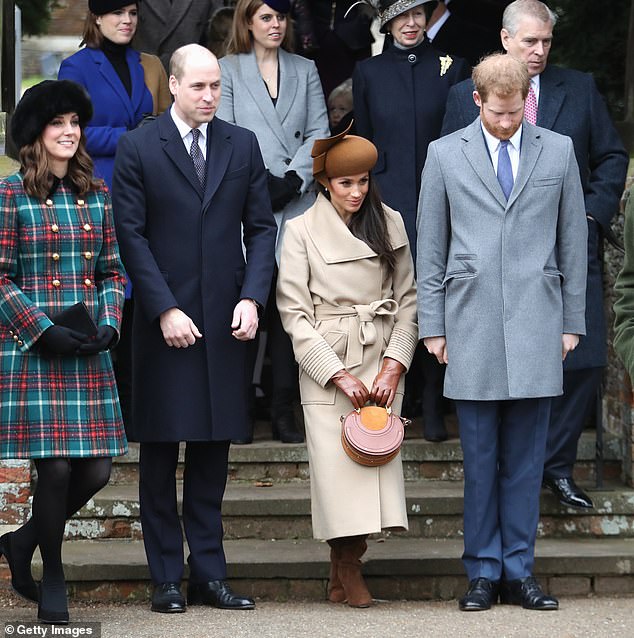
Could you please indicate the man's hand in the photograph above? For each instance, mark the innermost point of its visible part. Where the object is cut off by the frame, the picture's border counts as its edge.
(438, 347)
(568, 344)
(179, 331)
(245, 320)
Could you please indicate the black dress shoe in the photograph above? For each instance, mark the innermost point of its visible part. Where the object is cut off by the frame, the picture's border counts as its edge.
(568, 492)
(23, 585)
(284, 429)
(216, 593)
(245, 441)
(53, 606)
(527, 593)
(167, 599)
(482, 593)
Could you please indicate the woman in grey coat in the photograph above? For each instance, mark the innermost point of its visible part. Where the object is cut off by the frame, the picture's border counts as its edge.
(278, 96)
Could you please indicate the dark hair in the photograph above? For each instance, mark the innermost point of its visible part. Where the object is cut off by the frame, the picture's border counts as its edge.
(37, 176)
(369, 224)
(92, 36)
(241, 40)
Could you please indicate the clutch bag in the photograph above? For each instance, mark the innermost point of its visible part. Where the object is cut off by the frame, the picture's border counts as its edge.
(76, 317)
(372, 435)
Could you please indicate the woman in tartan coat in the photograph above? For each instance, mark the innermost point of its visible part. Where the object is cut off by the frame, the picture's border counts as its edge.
(57, 389)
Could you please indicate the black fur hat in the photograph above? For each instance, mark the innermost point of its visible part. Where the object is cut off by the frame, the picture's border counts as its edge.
(101, 7)
(42, 102)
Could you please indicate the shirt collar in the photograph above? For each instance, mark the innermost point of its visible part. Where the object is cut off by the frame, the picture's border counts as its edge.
(183, 128)
(493, 143)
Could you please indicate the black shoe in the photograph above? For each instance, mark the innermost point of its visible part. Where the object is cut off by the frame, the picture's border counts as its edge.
(53, 606)
(216, 593)
(23, 586)
(527, 593)
(482, 593)
(167, 599)
(568, 493)
(434, 428)
(285, 429)
(244, 441)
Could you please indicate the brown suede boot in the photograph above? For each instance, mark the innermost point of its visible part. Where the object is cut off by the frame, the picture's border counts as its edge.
(336, 594)
(357, 594)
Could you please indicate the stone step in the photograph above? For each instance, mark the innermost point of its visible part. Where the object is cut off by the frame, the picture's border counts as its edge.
(282, 511)
(395, 568)
(272, 460)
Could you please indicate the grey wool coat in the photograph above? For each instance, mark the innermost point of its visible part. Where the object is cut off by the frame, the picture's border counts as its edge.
(285, 131)
(501, 280)
(343, 310)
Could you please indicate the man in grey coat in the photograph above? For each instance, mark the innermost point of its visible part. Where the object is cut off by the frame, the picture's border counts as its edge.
(501, 282)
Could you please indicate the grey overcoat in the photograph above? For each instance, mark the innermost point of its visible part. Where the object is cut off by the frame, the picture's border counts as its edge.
(501, 280)
(287, 130)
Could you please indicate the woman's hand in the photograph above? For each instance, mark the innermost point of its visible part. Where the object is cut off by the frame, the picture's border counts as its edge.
(386, 382)
(352, 387)
(101, 341)
(61, 340)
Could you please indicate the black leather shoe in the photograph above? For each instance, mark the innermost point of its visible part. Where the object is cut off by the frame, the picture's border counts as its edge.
(24, 585)
(246, 441)
(527, 593)
(53, 606)
(216, 593)
(568, 492)
(167, 599)
(284, 429)
(482, 593)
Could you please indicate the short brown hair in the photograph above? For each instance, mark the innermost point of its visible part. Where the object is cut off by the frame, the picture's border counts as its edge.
(502, 75)
(92, 36)
(241, 40)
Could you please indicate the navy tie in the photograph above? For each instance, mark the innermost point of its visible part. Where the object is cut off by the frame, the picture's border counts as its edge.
(197, 157)
(505, 171)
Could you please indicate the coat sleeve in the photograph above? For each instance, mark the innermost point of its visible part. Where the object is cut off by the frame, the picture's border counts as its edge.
(455, 111)
(130, 214)
(624, 289)
(572, 241)
(317, 127)
(25, 319)
(433, 233)
(100, 140)
(607, 161)
(109, 274)
(362, 117)
(404, 337)
(294, 302)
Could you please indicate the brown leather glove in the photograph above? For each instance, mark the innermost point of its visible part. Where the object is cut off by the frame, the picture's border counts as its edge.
(352, 387)
(386, 382)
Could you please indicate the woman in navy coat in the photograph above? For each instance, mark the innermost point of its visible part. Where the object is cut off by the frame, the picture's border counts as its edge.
(113, 74)
(399, 104)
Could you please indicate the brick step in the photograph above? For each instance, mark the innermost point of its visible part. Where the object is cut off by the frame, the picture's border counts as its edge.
(395, 568)
(282, 511)
(277, 461)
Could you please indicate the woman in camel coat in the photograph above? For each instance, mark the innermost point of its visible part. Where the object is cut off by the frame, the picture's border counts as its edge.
(347, 299)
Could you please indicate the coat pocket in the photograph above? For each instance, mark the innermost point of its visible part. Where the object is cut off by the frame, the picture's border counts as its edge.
(546, 181)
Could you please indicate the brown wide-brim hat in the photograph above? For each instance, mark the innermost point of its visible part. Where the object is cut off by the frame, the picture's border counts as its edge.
(342, 155)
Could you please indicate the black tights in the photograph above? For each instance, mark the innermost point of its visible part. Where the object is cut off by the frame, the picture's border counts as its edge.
(63, 487)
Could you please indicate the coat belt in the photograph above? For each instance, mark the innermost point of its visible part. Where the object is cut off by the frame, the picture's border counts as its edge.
(364, 314)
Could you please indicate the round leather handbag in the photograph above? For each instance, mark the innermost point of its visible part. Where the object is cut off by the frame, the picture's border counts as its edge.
(372, 435)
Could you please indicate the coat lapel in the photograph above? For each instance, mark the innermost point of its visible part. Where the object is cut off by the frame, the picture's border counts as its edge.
(288, 85)
(175, 150)
(255, 86)
(137, 77)
(219, 149)
(475, 150)
(551, 98)
(110, 76)
(530, 149)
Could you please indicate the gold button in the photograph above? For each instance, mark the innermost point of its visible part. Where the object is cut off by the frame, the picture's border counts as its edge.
(87, 227)
(55, 228)
(55, 256)
(11, 332)
(87, 282)
(57, 283)
(20, 343)
(88, 255)
(80, 202)
(15, 337)
(49, 202)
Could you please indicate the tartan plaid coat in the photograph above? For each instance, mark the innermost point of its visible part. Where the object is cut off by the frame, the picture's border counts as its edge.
(54, 254)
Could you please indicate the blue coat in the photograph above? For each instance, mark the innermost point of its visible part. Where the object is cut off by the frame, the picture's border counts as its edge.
(182, 247)
(570, 104)
(115, 112)
(399, 103)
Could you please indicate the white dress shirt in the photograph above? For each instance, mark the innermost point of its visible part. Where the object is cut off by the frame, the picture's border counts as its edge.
(493, 144)
(186, 132)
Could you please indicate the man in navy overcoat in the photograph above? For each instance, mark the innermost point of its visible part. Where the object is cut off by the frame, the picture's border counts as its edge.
(569, 103)
(188, 190)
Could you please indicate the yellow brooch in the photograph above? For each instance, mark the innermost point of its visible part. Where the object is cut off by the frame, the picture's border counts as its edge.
(445, 63)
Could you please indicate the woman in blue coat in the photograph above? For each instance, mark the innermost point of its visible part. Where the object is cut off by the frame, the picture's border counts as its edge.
(399, 105)
(113, 74)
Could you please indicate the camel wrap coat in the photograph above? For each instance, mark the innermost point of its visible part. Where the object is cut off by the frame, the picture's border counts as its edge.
(342, 308)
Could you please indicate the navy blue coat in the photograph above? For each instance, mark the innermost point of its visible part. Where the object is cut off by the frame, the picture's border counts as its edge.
(182, 247)
(570, 104)
(115, 112)
(399, 104)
